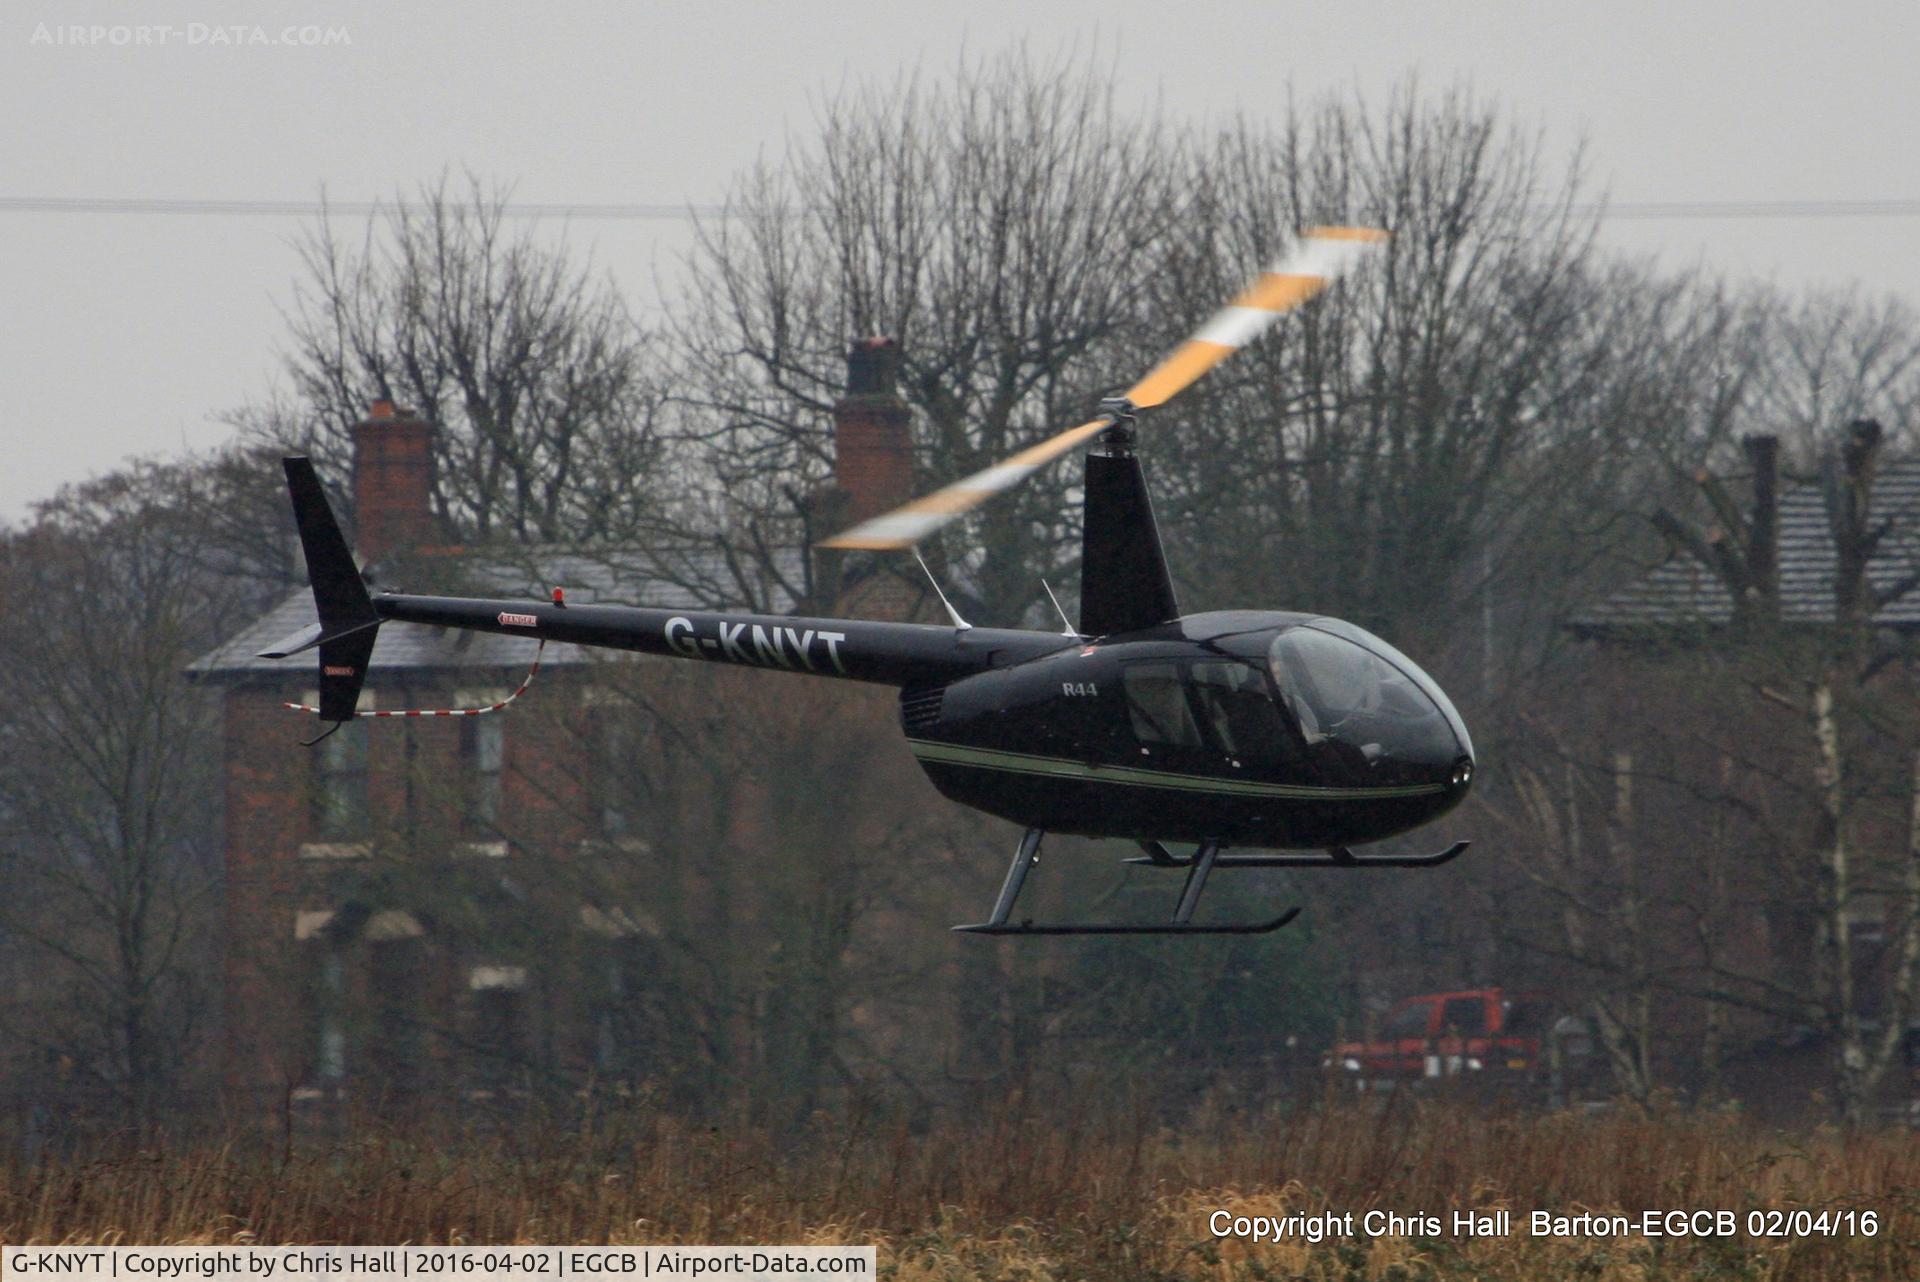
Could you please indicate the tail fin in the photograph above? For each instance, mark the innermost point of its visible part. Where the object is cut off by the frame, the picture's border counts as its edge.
(348, 621)
(1124, 582)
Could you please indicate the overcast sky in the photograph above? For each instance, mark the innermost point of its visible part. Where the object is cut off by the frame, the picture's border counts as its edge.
(125, 333)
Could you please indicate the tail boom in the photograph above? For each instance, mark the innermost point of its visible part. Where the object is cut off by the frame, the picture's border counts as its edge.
(895, 654)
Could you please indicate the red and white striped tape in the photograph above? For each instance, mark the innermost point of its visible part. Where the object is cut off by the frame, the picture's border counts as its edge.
(443, 712)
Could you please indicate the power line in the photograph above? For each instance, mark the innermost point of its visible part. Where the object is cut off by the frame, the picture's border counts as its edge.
(1647, 210)
(1620, 211)
(310, 208)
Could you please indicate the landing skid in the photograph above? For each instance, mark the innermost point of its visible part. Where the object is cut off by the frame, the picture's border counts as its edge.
(1158, 856)
(1130, 928)
(1199, 867)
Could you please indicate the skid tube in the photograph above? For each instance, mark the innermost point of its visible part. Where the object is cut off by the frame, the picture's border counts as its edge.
(1158, 856)
(1199, 868)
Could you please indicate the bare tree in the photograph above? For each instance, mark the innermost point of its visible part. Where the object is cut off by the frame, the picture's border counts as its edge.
(1785, 737)
(1413, 438)
(1599, 904)
(1834, 356)
(109, 773)
(755, 858)
(1827, 679)
(533, 371)
(1000, 225)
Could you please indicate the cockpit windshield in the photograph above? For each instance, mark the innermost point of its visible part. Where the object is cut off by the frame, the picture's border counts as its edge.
(1408, 668)
(1360, 705)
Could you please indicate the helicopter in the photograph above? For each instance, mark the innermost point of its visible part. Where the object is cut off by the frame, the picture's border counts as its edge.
(1285, 737)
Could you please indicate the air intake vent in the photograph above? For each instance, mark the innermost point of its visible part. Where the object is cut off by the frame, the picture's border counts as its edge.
(920, 709)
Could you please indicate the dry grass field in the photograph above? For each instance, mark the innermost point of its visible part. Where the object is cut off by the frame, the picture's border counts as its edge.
(1025, 1193)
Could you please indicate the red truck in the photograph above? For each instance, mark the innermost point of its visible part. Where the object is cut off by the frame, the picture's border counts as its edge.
(1440, 1035)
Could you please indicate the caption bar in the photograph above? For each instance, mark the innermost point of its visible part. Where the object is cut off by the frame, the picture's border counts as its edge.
(432, 1263)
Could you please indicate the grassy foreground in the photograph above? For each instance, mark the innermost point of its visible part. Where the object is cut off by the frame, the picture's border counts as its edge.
(1026, 1194)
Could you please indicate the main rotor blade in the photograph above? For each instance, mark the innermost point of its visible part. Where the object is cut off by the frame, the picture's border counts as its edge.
(1320, 257)
(905, 526)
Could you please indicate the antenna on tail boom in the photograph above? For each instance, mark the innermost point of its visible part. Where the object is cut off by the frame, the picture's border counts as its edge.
(952, 613)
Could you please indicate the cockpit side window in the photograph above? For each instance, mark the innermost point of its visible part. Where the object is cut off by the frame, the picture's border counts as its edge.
(1237, 710)
(1157, 705)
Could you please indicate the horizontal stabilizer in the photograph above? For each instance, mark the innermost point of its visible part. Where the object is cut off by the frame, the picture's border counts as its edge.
(305, 639)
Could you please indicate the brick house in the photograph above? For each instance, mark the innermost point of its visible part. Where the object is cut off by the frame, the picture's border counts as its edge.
(377, 883)
(1786, 559)
(1783, 557)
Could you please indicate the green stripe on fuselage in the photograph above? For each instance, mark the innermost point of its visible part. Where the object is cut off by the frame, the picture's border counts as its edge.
(1132, 776)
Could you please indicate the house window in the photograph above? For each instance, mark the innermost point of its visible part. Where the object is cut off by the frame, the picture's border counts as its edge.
(499, 1018)
(483, 750)
(393, 977)
(340, 791)
(330, 1032)
(614, 782)
(615, 1026)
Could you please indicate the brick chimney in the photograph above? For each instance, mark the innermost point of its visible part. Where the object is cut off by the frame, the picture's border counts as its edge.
(872, 473)
(1763, 535)
(392, 482)
(873, 451)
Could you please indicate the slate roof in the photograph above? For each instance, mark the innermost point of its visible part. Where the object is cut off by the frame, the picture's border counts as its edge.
(685, 580)
(1683, 593)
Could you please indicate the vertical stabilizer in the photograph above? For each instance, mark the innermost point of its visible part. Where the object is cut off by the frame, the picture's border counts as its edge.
(348, 620)
(1124, 583)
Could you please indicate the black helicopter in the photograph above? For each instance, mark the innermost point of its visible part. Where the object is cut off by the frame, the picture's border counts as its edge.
(1270, 730)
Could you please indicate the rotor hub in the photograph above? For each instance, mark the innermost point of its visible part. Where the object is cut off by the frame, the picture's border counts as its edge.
(1118, 438)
